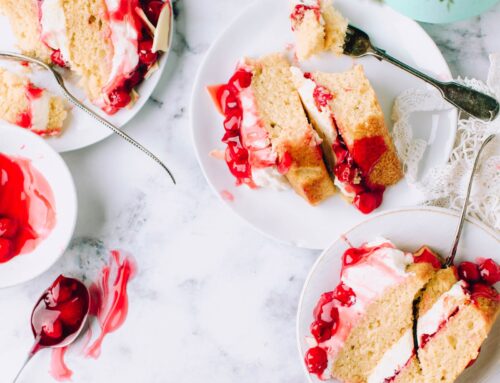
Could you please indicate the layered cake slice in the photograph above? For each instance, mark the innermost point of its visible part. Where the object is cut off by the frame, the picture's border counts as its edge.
(367, 313)
(420, 322)
(28, 106)
(344, 109)
(111, 44)
(269, 139)
(317, 27)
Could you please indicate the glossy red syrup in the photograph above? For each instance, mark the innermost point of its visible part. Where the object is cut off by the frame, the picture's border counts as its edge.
(322, 96)
(59, 313)
(316, 360)
(58, 368)
(425, 338)
(299, 12)
(27, 209)
(426, 255)
(285, 163)
(56, 58)
(110, 299)
(367, 151)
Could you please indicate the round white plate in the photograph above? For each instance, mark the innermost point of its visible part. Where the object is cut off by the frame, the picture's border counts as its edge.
(265, 28)
(81, 130)
(22, 143)
(409, 229)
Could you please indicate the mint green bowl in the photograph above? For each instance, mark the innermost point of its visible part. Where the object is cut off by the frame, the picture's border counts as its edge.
(441, 11)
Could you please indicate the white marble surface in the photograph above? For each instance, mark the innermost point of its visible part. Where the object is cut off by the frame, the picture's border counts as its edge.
(214, 301)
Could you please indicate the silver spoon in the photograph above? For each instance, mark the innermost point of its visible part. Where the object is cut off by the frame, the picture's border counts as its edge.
(77, 103)
(451, 258)
(357, 44)
(66, 342)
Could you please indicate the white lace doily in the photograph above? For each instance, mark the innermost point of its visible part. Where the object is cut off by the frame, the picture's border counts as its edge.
(446, 185)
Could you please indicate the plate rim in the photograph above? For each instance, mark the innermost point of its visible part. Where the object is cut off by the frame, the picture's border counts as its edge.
(197, 86)
(432, 209)
(71, 194)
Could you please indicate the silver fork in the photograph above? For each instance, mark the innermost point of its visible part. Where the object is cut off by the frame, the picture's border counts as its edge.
(77, 103)
(357, 43)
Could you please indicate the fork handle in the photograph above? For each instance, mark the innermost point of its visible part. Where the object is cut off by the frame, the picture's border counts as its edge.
(471, 101)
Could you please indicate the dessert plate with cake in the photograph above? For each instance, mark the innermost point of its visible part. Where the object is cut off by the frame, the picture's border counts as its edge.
(379, 305)
(110, 53)
(38, 205)
(295, 137)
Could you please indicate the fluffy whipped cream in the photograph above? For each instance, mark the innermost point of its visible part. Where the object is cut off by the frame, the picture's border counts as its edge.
(40, 109)
(124, 36)
(440, 312)
(53, 26)
(394, 359)
(385, 267)
(269, 178)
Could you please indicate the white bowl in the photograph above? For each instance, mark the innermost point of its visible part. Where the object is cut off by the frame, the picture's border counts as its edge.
(409, 229)
(20, 142)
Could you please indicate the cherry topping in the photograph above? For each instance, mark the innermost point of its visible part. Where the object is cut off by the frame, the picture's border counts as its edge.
(232, 121)
(321, 330)
(285, 163)
(322, 97)
(323, 300)
(23, 119)
(135, 78)
(153, 10)
(237, 160)
(345, 295)
(59, 312)
(299, 12)
(146, 56)
(241, 79)
(316, 360)
(8, 227)
(57, 58)
(353, 255)
(369, 201)
(6, 250)
(119, 98)
(490, 272)
(425, 255)
(469, 272)
(345, 173)
(480, 290)
(227, 98)
(34, 91)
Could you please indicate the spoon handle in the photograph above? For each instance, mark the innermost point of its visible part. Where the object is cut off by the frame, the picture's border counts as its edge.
(32, 353)
(451, 258)
(471, 101)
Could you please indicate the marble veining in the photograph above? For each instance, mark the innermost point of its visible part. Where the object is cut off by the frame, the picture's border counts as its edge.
(214, 300)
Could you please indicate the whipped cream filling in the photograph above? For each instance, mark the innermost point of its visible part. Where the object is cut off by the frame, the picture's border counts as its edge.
(385, 267)
(53, 26)
(254, 138)
(124, 36)
(40, 109)
(440, 312)
(396, 358)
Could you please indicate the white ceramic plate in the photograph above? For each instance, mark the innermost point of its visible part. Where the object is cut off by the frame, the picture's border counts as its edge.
(81, 130)
(20, 142)
(265, 28)
(409, 229)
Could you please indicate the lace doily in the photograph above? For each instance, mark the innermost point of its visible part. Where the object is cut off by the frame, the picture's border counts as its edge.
(446, 185)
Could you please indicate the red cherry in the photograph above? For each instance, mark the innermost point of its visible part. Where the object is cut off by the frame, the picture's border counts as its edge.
(8, 227)
(469, 272)
(227, 96)
(323, 300)
(484, 291)
(232, 123)
(345, 295)
(316, 360)
(237, 161)
(353, 256)
(340, 151)
(56, 58)
(427, 256)
(321, 330)
(153, 10)
(53, 329)
(71, 312)
(285, 163)
(119, 98)
(6, 250)
(145, 55)
(135, 78)
(367, 202)
(490, 272)
(241, 79)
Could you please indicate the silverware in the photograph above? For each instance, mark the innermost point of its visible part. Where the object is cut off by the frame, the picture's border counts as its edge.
(77, 103)
(357, 43)
(451, 257)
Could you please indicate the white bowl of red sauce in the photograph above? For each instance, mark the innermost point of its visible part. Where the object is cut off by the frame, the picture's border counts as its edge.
(38, 205)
